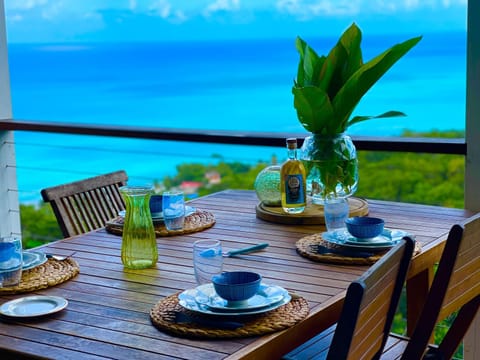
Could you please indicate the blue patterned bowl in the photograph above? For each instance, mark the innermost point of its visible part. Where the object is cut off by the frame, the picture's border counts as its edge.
(236, 286)
(364, 227)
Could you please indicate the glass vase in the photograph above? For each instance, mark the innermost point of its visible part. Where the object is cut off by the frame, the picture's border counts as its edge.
(139, 247)
(332, 167)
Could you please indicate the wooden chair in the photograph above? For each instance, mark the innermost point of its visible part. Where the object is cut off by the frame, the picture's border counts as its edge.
(455, 287)
(367, 313)
(85, 205)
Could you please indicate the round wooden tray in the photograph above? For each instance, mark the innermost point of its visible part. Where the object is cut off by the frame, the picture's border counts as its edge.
(313, 214)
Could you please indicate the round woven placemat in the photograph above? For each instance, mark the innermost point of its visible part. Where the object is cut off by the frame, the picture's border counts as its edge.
(198, 221)
(305, 244)
(163, 316)
(51, 273)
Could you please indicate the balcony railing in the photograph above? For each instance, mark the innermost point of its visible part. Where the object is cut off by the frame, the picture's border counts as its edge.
(417, 145)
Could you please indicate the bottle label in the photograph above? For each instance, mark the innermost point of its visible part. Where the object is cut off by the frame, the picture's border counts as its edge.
(294, 191)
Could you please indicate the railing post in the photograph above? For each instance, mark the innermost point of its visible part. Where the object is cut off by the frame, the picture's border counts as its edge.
(9, 208)
(472, 134)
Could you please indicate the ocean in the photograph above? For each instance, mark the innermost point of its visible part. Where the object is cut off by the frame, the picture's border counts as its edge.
(238, 85)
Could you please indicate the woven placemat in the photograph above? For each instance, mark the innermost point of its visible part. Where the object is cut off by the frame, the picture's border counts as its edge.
(163, 316)
(304, 248)
(198, 221)
(51, 273)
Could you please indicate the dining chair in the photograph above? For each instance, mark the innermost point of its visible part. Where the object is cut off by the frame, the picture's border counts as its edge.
(367, 313)
(455, 289)
(86, 205)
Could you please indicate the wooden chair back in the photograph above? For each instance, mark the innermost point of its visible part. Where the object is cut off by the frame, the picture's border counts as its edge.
(370, 306)
(86, 205)
(455, 287)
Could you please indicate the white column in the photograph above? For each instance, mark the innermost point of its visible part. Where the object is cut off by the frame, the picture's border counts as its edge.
(9, 208)
(472, 135)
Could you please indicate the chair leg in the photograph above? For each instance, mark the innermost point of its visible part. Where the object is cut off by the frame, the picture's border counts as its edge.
(457, 330)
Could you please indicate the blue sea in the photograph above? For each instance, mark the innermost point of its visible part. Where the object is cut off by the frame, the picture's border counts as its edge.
(238, 85)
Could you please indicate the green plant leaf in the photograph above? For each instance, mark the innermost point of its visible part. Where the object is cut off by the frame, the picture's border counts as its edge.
(388, 114)
(366, 76)
(336, 59)
(343, 60)
(309, 65)
(314, 109)
(351, 40)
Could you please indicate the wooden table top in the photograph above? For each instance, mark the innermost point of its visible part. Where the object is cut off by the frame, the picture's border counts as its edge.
(108, 311)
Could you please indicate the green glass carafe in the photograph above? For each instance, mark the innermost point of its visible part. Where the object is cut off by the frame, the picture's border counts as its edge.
(139, 248)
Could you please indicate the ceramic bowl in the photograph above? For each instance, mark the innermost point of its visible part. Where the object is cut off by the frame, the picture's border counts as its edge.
(364, 227)
(236, 286)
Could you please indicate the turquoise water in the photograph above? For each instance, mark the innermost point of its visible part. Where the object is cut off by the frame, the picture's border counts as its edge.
(241, 85)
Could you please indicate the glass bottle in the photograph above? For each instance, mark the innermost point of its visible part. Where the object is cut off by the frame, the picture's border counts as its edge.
(139, 247)
(293, 178)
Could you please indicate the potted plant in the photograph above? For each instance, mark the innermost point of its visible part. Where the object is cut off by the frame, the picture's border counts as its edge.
(326, 91)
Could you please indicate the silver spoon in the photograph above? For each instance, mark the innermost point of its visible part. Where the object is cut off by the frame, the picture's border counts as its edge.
(59, 257)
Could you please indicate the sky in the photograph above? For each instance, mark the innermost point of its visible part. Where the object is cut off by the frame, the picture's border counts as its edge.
(47, 21)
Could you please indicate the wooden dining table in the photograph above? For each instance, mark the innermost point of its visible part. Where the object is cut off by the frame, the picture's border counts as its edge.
(108, 306)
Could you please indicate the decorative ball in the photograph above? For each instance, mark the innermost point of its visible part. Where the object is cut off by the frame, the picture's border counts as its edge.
(267, 186)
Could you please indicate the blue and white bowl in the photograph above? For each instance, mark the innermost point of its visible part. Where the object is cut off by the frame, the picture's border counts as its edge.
(236, 286)
(365, 227)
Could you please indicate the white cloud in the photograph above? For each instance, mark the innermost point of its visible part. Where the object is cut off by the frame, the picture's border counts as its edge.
(161, 8)
(307, 8)
(24, 4)
(221, 5)
(313, 8)
(52, 11)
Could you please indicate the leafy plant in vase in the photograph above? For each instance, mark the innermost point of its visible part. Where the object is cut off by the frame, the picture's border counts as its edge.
(326, 91)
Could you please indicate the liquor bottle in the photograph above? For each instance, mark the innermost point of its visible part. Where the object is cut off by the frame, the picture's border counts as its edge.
(293, 178)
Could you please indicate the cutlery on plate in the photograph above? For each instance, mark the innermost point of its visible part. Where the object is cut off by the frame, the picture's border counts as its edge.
(320, 249)
(181, 317)
(249, 249)
(59, 257)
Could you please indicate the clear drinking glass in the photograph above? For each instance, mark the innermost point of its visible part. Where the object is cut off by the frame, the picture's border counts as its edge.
(336, 212)
(173, 209)
(11, 261)
(207, 260)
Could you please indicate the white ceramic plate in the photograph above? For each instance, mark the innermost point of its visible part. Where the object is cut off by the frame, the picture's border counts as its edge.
(159, 216)
(198, 300)
(32, 259)
(385, 241)
(31, 306)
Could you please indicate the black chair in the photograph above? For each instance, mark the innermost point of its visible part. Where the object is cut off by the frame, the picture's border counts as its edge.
(367, 313)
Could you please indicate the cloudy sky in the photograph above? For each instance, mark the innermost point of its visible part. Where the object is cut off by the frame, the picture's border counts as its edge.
(173, 20)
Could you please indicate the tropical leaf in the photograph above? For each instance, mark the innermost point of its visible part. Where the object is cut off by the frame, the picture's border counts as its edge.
(336, 59)
(314, 109)
(388, 114)
(351, 40)
(366, 76)
(330, 87)
(309, 65)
